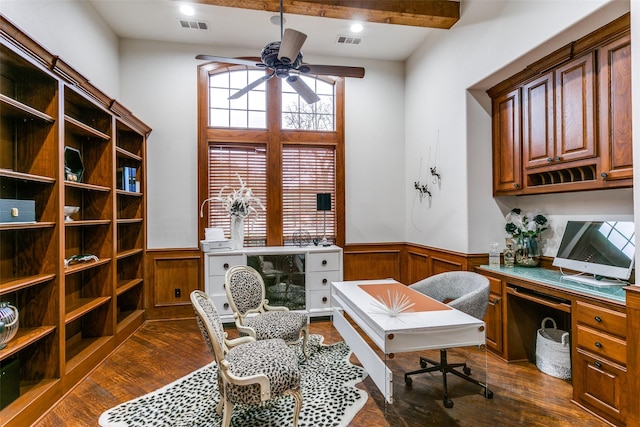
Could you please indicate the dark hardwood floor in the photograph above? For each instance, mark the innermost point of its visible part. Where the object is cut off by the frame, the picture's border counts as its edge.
(163, 351)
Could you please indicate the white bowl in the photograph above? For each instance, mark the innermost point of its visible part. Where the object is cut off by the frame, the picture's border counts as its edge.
(70, 210)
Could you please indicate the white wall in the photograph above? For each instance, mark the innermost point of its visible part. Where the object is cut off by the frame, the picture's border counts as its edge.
(76, 33)
(445, 84)
(159, 83)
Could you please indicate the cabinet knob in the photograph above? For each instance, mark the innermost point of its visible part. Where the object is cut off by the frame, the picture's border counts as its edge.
(226, 306)
(598, 344)
(557, 158)
(604, 175)
(516, 185)
(324, 299)
(226, 266)
(496, 300)
(324, 262)
(597, 319)
(324, 281)
(549, 160)
(598, 364)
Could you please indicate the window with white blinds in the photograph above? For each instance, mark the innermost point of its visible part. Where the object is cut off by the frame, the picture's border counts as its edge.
(226, 163)
(307, 171)
(286, 151)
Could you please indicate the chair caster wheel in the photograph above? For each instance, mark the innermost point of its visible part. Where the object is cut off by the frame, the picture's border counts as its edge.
(408, 380)
(488, 394)
(448, 403)
(466, 370)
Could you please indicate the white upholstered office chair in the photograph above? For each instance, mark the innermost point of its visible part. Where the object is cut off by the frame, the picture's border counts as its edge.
(465, 291)
(253, 314)
(249, 372)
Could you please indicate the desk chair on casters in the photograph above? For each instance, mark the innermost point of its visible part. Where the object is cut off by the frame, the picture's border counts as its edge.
(464, 291)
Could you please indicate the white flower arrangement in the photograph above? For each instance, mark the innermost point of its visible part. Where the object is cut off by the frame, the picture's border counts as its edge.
(394, 305)
(525, 225)
(238, 202)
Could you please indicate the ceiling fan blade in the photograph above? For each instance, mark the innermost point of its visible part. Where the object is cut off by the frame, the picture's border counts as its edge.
(303, 89)
(332, 70)
(229, 60)
(292, 42)
(251, 86)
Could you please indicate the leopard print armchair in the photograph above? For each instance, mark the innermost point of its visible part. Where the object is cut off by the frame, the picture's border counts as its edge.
(250, 372)
(254, 316)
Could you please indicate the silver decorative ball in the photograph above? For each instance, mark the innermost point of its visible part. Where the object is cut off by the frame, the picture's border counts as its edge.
(8, 323)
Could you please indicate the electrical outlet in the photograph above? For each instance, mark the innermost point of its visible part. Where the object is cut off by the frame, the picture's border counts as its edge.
(177, 292)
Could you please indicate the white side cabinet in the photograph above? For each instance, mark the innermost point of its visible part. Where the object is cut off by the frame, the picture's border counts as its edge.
(297, 277)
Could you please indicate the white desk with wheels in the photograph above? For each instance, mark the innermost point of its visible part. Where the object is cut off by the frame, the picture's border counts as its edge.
(431, 325)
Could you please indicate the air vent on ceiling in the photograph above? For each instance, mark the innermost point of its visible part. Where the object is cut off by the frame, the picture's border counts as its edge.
(349, 40)
(195, 25)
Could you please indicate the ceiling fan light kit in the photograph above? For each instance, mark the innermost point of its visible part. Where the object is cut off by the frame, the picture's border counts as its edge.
(284, 59)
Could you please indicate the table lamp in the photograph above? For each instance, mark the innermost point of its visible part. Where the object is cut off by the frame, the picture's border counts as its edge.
(324, 204)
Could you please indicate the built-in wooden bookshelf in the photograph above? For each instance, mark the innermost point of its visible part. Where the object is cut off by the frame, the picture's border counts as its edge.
(71, 314)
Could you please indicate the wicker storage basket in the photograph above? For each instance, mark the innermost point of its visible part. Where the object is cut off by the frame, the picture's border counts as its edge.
(553, 351)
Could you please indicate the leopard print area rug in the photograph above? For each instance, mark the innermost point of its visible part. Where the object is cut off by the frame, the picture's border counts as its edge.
(328, 381)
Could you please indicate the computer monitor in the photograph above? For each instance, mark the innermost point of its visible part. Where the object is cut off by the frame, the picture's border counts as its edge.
(603, 249)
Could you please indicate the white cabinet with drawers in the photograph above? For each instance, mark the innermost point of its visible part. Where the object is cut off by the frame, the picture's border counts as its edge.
(297, 277)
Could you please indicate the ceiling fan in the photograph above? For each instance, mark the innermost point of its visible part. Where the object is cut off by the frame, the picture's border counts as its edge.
(283, 59)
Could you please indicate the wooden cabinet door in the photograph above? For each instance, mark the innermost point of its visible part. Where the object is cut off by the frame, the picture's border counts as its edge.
(574, 110)
(600, 386)
(614, 99)
(493, 324)
(507, 169)
(538, 136)
(493, 318)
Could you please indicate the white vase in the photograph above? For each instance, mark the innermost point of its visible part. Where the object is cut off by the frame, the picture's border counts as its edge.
(237, 231)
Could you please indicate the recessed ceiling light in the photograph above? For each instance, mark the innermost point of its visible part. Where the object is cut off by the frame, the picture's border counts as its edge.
(356, 28)
(187, 10)
(275, 20)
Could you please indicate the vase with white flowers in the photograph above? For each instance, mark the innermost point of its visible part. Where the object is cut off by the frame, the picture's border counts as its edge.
(239, 203)
(525, 229)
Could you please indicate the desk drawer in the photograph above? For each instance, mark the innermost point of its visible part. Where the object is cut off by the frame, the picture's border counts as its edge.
(603, 319)
(214, 285)
(323, 261)
(322, 280)
(319, 301)
(222, 305)
(219, 264)
(602, 344)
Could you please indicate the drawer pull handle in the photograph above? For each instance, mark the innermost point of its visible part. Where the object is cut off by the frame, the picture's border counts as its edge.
(598, 364)
(226, 265)
(226, 306)
(496, 300)
(598, 344)
(324, 299)
(324, 281)
(598, 319)
(324, 262)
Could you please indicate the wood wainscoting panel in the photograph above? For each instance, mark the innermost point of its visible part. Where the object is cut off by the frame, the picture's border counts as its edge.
(375, 261)
(406, 263)
(174, 274)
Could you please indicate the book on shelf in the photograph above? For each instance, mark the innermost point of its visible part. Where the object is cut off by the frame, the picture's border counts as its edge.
(126, 179)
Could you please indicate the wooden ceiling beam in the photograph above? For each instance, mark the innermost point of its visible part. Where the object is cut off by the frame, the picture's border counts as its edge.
(417, 13)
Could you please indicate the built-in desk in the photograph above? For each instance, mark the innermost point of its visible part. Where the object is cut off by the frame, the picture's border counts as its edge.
(595, 318)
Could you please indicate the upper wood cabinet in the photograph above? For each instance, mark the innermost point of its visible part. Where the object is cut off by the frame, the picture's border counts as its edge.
(575, 118)
(614, 81)
(507, 172)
